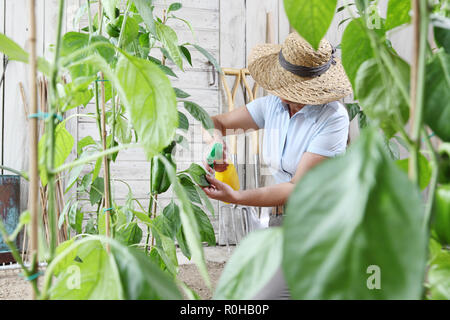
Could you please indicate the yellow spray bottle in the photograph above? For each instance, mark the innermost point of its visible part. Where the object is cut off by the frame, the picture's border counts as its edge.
(229, 176)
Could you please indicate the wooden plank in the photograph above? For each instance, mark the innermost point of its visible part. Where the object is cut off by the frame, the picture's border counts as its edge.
(284, 27)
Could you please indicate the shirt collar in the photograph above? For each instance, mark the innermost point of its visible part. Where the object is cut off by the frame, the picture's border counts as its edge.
(309, 111)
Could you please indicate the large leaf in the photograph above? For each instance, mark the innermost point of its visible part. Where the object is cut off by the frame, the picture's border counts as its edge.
(199, 114)
(110, 8)
(63, 146)
(88, 274)
(209, 56)
(169, 39)
(437, 95)
(77, 41)
(356, 49)
(252, 265)
(204, 224)
(124, 274)
(150, 102)
(311, 18)
(198, 174)
(190, 229)
(439, 276)
(145, 9)
(15, 52)
(398, 13)
(442, 36)
(441, 221)
(352, 215)
(129, 234)
(379, 95)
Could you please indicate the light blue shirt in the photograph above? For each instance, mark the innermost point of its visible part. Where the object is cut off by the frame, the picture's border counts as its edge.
(319, 129)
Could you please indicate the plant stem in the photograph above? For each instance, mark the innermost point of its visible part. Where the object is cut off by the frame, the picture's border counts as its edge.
(420, 22)
(434, 179)
(125, 17)
(91, 29)
(50, 133)
(22, 174)
(150, 206)
(93, 157)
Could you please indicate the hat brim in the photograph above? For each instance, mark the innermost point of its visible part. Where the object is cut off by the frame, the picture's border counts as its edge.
(268, 73)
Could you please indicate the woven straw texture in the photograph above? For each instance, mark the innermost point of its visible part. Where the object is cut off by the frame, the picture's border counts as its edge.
(268, 73)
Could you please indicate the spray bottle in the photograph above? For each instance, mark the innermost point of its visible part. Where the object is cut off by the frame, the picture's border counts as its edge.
(229, 176)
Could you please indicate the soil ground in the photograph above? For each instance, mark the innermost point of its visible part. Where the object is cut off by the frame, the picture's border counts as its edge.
(14, 287)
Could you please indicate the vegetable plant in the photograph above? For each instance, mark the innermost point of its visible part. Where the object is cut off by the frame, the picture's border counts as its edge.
(112, 61)
(366, 225)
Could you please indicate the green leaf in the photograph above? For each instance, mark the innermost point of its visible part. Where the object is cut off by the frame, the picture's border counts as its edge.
(126, 273)
(206, 229)
(198, 174)
(97, 189)
(199, 114)
(441, 221)
(380, 97)
(356, 49)
(75, 217)
(86, 141)
(110, 8)
(189, 188)
(150, 102)
(252, 265)
(174, 7)
(129, 234)
(12, 49)
(424, 168)
(311, 18)
(353, 110)
(171, 213)
(63, 146)
(439, 276)
(191, 229)
(131, 31)
(93, 275)
(183, 122)
(205, 199)
(145, 10)
(210, 57)
(187, 54)
(437, 95)
(181, 94)
(348, 214)
(398, 13)
(169, 39)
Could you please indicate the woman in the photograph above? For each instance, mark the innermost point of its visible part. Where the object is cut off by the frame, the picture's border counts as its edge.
(303, 124)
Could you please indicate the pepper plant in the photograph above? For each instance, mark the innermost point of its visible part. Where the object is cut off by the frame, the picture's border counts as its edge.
(112, 61)
(364, 225)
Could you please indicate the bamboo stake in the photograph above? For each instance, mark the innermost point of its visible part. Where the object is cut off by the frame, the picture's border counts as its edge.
(33, 132)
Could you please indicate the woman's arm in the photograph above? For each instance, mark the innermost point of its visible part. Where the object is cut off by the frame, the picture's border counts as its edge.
(263, 197)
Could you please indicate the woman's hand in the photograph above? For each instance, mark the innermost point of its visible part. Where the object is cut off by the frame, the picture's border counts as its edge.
(220, 191)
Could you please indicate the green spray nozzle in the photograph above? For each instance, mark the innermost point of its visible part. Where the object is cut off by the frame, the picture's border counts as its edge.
(216, 153)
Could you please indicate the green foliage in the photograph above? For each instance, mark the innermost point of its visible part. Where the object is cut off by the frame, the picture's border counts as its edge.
(63, 146)
(129, 234)
(125, 274)
(424, 169)
(198, 174)
(398, 13)
(252, 265)
(437, 95)
(150, 102)
(357, 211)
(356, 49)
(169, 39)
(311, 18)
(441, 222)
(439, 276)
(199, 114)
(208, 56)
(145, 9)
(206, 229)
(380, 96)
(110, 8)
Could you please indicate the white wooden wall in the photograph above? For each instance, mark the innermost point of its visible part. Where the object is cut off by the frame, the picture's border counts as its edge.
(227, 28)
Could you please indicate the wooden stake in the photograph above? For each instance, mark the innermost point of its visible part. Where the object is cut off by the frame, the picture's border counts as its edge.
(33, 132)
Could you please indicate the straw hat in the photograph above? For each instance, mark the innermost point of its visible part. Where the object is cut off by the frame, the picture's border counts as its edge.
(296, 72)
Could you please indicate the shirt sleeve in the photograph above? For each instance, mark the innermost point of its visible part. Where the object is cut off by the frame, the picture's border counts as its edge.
(332, 138)
(257, 109)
